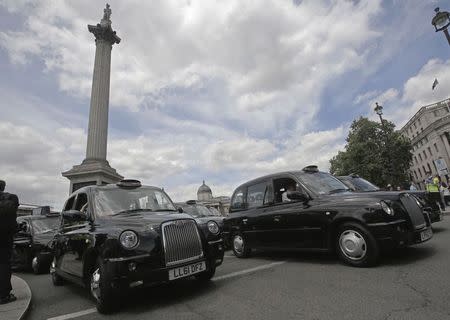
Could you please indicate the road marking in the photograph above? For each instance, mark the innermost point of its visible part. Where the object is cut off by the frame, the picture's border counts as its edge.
(226, 276)
(246, 271)
(74, 315)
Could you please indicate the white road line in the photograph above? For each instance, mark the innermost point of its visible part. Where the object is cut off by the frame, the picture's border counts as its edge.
(242, 272)
(226, 276)
(74, 315)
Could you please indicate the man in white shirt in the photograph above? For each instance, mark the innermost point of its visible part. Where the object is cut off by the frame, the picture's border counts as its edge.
(284, 197)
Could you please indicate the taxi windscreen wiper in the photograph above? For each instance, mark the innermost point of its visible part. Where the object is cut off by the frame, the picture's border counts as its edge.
(130, 211)
(338, 190)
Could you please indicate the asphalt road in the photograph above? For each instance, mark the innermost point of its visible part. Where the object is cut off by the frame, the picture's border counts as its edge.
(411, 284)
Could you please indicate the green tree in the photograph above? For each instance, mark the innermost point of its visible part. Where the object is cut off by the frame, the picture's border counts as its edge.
(376, 152)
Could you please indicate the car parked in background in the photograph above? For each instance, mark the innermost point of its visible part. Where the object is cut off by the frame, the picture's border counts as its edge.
(201, 213)
(358, 184)
(31, 248)
(313, 210)
(215, 212)
(119, 236)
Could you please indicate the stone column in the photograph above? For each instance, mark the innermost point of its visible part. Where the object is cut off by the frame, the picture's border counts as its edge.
(105, 37)
(95, 169)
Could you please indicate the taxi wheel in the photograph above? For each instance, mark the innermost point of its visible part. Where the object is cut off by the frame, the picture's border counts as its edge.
(239, 246)
(101, 289)
(356, 246)
(206, 276)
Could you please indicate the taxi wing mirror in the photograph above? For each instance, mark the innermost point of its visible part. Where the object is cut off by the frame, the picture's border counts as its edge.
(180, 209)
(297, 196)
(74, 215)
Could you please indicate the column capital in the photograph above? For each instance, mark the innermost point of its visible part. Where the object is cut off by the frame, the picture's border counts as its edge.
(102, 32)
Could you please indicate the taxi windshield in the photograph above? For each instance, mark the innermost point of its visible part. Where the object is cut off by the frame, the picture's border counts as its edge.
(322, 183)
(41, 226)
(109, 202)
(361, 184)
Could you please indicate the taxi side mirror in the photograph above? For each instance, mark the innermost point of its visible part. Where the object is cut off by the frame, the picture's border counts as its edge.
(297, 196)
(74, 215)
(180, 209)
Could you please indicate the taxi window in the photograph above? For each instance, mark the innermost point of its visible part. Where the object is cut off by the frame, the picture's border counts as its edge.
(238, 201)
(255, 195)
(81, 202)
(69, 204)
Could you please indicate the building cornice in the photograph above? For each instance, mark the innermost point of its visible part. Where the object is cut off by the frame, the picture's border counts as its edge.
(432, 127)
(422, 110)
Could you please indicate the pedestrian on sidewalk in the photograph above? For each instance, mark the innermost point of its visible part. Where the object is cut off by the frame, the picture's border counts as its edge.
(445, 193)
(8, 227)
(432, 185)
(412, 186)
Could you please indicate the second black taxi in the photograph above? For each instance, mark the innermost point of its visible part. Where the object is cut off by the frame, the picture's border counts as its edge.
(357, 184)
(115, 237)
(309, 209)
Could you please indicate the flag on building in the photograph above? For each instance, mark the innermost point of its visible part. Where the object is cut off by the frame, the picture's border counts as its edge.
(435, 83)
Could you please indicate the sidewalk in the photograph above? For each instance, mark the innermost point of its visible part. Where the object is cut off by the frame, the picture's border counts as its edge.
(16, 310)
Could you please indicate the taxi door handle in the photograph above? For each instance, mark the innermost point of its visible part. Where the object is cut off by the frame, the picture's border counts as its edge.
(244, 221)
(277, 218)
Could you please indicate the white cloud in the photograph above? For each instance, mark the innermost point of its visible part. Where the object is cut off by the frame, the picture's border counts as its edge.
(267, 54)
(223, 91)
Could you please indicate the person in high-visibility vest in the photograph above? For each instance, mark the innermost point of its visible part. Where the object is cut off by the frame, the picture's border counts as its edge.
(432, 186)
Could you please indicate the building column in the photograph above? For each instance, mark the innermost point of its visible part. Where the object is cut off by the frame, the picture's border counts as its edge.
(98, 116)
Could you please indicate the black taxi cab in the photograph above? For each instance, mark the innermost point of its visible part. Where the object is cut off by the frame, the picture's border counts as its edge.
(116, 237)
(358, 184)
(31, 247)
(202, 214)
(310, 209)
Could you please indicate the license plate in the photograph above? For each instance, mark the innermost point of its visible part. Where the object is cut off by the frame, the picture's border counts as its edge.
(425, 235)
(187, 271)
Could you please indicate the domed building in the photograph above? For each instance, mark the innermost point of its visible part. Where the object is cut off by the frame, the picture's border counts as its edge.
(204, 193)
(205, 197)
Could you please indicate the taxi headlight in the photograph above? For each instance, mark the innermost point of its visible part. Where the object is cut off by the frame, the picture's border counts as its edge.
(129, 239)
(386, 208)
(213, 227)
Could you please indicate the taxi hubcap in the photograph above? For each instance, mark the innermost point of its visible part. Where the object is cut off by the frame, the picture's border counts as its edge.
(238, 244)
(95, 284)
(53, 266)
(353, 245)
(34, 263)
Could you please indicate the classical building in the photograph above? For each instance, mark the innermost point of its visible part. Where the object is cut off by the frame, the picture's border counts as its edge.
(26, 209)
(95, 169)
(205, 197)
(429, 133)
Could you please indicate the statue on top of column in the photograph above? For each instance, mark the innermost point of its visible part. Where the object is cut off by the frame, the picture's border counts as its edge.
(106, 16)
(103, 30)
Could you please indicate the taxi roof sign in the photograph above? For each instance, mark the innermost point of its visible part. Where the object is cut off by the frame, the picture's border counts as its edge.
(311, 168)
(129, 183)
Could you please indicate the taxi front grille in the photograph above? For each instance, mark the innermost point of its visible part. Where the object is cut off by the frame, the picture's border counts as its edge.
(181, 242)
(414, 211)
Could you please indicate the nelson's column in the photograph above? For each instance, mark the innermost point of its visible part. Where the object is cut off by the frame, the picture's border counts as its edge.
(95, 169)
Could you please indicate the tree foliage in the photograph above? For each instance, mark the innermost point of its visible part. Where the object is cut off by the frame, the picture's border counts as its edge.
(375, 152)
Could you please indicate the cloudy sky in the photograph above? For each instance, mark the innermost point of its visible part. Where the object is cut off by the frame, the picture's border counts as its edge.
(213, 90)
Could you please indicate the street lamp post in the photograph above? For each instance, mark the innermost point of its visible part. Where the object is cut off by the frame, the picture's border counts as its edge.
(441, 21)
(379, 111)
